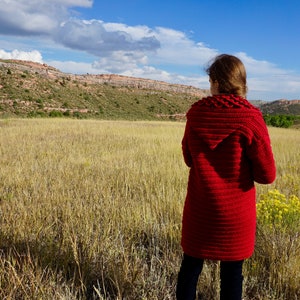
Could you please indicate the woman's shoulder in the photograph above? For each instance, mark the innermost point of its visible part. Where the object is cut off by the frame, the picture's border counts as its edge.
(229, 104)
(224, 101)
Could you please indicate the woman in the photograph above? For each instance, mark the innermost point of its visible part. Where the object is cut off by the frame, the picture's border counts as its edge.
(227, 147)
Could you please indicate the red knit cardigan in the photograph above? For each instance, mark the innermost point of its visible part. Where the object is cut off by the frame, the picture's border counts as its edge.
(227, 147)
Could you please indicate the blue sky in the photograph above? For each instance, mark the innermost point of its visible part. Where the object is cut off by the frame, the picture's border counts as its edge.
(166, 40)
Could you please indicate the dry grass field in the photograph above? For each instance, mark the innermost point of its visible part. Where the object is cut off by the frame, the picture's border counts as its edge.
(92, 210)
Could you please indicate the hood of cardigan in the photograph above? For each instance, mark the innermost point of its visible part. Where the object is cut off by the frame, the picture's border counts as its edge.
(215, 118)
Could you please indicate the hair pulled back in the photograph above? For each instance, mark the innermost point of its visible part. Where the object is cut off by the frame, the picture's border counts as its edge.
(230, 73)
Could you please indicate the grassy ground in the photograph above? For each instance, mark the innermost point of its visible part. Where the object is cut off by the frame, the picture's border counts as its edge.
(92, 210)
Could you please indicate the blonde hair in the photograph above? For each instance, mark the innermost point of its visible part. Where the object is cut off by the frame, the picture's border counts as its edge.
(230, 73)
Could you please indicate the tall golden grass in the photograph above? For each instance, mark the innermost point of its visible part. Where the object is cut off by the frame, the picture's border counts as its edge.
(92, 210)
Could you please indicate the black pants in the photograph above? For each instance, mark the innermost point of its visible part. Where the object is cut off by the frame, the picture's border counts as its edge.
(190, 270)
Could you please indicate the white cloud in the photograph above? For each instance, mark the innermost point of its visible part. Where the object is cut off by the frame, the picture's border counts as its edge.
(28, 17)
(137, 32)
(156, 53)
(35, 17)
(71, 3)
(73, 67)
(34, 55)
(259, 67)
(93, 37)
(177, 48)
(121, 48)
(119, 62)
(272, 86)
(267, 80)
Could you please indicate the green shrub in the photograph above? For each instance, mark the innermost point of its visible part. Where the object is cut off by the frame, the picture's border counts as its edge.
(55, 114)
(36, 114)
(67, 113)
(283, 121)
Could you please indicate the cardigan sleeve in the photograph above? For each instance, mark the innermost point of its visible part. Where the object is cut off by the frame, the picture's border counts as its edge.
(185, 148)
(261, 155)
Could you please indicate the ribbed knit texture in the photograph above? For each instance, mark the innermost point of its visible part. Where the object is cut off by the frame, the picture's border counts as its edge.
(227, 147)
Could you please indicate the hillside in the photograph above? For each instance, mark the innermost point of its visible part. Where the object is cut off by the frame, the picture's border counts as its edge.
(32, 89)
(281, 107)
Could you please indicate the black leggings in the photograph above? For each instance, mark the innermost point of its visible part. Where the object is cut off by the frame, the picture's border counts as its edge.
(191, 268)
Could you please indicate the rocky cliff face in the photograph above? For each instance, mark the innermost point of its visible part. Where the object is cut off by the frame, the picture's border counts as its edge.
(281, 107)
(111, 79)
(141, 83)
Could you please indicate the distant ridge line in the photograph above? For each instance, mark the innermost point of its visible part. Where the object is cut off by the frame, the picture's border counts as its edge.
(112, 79)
